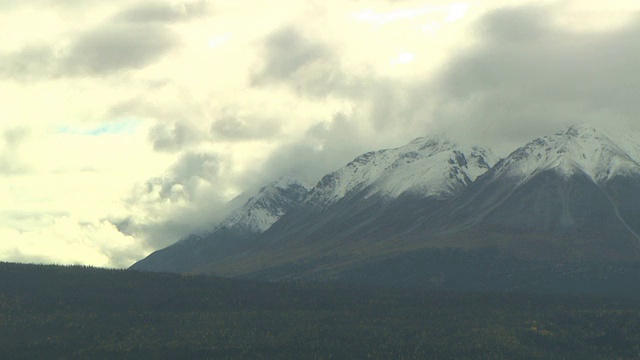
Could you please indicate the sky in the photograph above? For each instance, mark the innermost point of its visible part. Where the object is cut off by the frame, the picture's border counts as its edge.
(126, 125)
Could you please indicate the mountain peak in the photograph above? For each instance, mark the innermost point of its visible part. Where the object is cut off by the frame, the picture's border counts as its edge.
(267, 206)
(432, 166)
(580, 149)
(580, 130)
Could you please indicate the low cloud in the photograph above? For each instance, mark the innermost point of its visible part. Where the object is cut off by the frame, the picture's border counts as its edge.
(185, 178)
(325, 147)
(189, 198)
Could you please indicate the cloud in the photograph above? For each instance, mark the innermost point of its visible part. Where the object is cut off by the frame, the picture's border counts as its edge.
(324, 147)
(30, 63)
(116, 47)
(189, 198)
(108, 49)
(10, 162)
(11, 4)
(185, 177)
(309, 67)
(180, 120)
(174, 136)
(231, 126)
(163, 12)
(66, 240)
(529, 77)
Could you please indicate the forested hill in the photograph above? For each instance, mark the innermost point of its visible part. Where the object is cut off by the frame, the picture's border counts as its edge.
(85, 313)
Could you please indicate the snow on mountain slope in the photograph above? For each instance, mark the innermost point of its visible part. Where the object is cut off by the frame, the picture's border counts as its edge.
(598, 153)
(263, 209)
(426, 167)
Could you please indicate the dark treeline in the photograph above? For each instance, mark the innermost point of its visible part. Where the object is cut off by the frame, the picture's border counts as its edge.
(57, 312)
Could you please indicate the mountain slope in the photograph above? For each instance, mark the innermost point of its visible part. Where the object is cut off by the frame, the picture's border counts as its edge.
(573, 194)
(238, 231)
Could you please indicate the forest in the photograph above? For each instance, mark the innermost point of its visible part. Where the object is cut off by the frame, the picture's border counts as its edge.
(74, 312)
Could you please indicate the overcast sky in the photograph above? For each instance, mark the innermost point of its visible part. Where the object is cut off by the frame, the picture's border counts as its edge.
(125, 125)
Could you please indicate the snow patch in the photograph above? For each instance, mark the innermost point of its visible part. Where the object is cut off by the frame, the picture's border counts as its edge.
(426, 167)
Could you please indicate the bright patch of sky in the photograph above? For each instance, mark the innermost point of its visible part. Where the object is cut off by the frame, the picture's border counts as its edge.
(403, 58)
(220, 40)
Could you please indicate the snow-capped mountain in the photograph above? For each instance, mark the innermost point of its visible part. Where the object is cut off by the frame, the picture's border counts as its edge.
(266, 207)
(597, 153)
(554, 193)
(364, 198)
(426, 167)
(571, 196)
(434, 168)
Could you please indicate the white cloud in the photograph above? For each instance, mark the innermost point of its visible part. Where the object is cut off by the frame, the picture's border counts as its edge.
(67, 240)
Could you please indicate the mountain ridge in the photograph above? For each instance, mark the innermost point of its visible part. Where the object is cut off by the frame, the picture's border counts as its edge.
(568, 196)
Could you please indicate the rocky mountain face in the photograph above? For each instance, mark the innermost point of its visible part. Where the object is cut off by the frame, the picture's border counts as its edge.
(571, 196)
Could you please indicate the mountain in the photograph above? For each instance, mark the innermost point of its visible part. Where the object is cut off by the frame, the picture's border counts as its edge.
(239, 230)
(358, 209)
(428, 170)
(426, 167)
(572, 195)
(434, 209)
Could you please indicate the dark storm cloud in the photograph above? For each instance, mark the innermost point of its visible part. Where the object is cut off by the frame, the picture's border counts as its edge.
(153, 11)
(308, 67)
(529, 77)
(112, 48)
